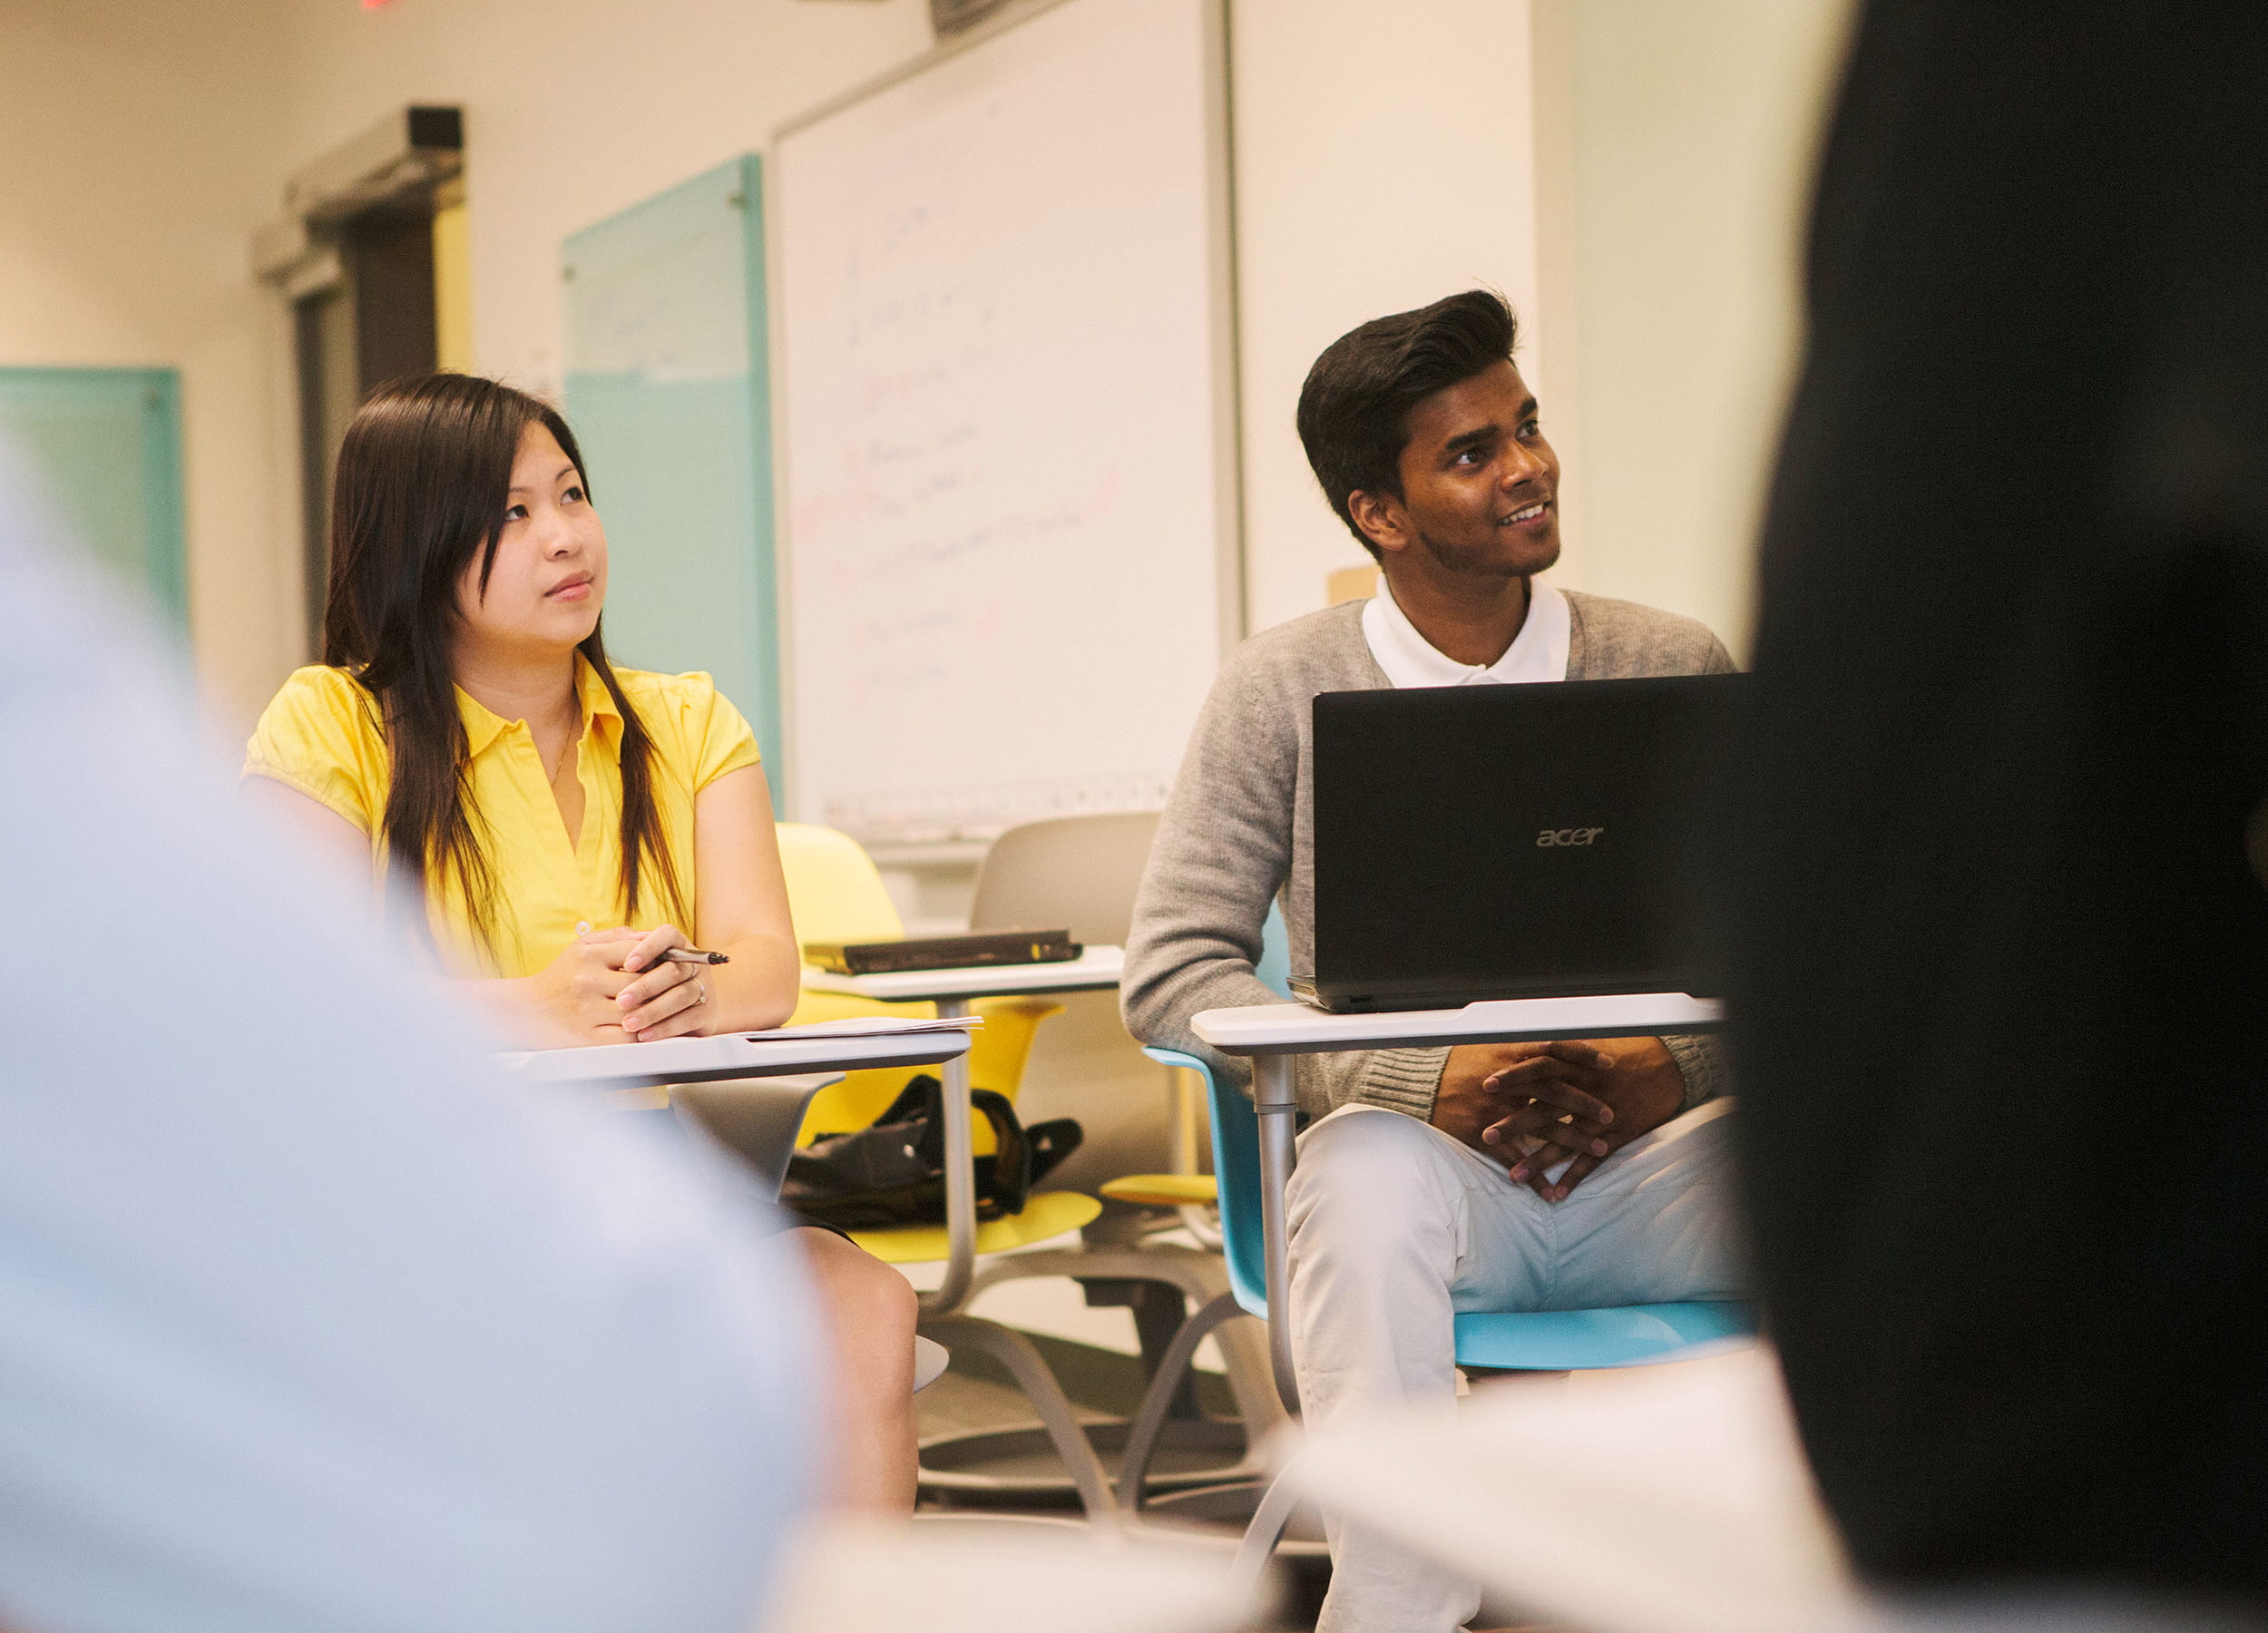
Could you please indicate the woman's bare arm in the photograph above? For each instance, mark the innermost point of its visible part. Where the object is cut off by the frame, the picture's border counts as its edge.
(744, 904)
(742, 912)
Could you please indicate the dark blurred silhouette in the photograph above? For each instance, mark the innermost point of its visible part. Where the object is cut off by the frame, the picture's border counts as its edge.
(2001, 965)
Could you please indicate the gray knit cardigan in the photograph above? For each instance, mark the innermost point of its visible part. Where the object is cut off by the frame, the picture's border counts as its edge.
(1238, 832)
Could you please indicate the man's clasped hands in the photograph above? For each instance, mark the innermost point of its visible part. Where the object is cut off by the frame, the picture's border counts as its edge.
(1535, 1106)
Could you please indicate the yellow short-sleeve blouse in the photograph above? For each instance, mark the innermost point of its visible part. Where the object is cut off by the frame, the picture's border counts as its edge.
(321, 736)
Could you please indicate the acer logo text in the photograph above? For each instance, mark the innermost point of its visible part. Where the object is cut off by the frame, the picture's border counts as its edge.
(1550, 836)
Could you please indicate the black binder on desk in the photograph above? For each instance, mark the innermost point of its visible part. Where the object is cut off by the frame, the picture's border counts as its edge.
(943, 952)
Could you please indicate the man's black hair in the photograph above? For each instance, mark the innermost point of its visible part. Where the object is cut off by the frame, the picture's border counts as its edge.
(1355, 409)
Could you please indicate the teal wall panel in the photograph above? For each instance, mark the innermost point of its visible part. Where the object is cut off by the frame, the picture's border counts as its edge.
(669, 391)
(107, 442)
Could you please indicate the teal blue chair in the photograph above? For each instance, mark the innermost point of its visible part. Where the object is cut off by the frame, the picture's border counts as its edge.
(1507, 1341)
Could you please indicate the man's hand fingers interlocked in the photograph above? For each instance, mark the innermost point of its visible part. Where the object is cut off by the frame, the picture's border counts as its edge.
(1544, 1083)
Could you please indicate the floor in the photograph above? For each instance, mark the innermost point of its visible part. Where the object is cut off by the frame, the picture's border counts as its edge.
(1093, 1354)
(975, 1394)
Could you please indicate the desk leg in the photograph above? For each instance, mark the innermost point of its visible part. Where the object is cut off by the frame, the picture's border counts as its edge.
(1273, 1098)
(960, 1179)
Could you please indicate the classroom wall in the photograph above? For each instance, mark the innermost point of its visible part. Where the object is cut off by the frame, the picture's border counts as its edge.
(134, 135)
(1629, 173)
(1633, 174)
(1676, 147)
(583, 120)
(1385, 157)
(148, 141)
(574, 110)
(1625, 170)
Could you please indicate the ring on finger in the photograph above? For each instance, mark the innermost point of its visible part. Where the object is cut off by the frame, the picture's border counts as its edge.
(700, 993)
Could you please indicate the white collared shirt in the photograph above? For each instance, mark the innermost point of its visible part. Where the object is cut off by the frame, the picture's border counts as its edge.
(1538, 652)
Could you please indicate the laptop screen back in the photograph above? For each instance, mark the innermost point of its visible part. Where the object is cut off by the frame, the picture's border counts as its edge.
(1509, 841)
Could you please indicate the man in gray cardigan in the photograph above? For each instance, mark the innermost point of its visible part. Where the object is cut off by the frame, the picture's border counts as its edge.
(1487, 1177)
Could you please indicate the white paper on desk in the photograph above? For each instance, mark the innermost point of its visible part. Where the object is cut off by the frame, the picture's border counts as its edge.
(870, 1026)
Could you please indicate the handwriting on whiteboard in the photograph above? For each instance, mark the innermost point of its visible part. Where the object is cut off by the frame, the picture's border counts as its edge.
(998, 341)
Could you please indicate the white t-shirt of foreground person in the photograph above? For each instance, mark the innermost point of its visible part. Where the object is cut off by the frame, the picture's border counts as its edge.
(307, 1323)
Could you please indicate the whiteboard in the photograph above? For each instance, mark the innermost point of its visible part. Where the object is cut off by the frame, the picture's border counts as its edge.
(1002, 304)
(669, 391)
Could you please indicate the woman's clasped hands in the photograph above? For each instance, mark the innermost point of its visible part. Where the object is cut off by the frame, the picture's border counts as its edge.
(615, 986)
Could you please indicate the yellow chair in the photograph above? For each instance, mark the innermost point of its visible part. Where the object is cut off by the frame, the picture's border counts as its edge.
(1083, 872)
(836, 893)
(1163, 1190)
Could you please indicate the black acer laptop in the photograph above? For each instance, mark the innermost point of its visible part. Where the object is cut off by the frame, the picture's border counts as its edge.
(1477, 842)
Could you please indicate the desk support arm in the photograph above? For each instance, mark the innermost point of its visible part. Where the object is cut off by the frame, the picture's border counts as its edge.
(960, 1179)
(1274, 1099)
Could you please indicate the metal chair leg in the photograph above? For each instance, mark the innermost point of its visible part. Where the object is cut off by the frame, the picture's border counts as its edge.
(1277, 1107)
(1149, 1421)
(1201, 1278)
(1267, 1530)
(1012, 1350)
(952, 1292)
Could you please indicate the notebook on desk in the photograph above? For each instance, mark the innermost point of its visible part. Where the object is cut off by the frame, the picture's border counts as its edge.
(984, 949)
(1478, 842)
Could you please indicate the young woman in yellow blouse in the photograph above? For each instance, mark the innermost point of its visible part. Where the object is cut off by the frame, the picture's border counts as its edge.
(565, 822)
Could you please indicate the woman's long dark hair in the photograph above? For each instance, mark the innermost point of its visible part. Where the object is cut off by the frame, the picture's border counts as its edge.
(422, 479)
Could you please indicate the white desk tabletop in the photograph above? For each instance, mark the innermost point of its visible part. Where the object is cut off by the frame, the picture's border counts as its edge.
(728, 1056)
(1096, 968)
(1300, 1028)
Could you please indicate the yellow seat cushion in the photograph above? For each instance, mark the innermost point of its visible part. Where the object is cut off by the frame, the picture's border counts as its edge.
(837, 894)
(1163, 1190)
(1046, 1214)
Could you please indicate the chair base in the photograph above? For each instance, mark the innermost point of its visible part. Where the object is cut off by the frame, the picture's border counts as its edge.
(1019, 1466)
(1226, 1510)
(1201, 1276)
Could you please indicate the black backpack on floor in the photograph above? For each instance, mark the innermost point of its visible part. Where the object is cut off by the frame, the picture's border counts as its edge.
(894, 1173)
